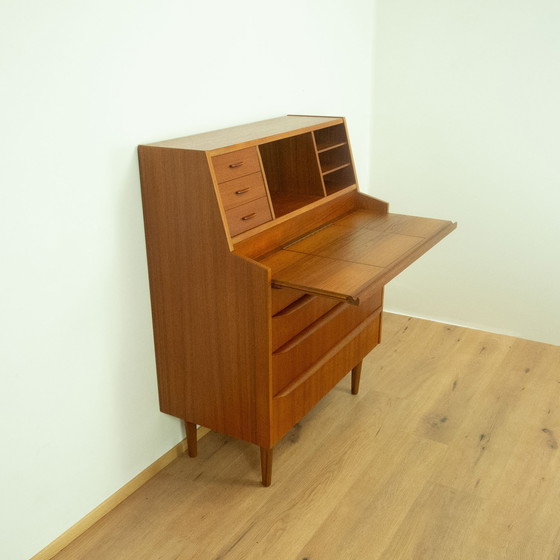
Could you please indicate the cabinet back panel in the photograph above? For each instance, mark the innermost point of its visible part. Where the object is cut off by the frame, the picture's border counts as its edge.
(291, 168)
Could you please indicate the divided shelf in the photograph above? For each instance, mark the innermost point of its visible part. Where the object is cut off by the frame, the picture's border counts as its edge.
(296, 171)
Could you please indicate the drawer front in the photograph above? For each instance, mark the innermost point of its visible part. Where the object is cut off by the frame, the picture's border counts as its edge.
(247, 216)
(297, 316)
(242, 190)
(236, 164)
(282, 297)
(290, 406)
(307, 347)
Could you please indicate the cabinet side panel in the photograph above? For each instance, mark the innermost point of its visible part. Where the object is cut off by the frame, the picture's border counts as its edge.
(371, 203)
(210, 308)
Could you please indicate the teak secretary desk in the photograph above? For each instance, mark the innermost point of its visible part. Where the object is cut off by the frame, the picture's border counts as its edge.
(266, 268)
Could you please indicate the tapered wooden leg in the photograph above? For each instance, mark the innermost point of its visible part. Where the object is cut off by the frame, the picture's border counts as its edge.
(266, 466)
(356, 373)
(191, 439)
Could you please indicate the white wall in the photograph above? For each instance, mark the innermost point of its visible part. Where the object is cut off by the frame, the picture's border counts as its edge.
(467, 127)
(82, 83)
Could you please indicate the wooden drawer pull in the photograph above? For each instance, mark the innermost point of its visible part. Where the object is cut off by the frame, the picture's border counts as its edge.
(304, 376)
(242, 191)
(235, 165)
(308, 331)
(249, 216)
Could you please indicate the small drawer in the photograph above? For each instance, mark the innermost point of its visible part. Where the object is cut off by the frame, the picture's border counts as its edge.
(236, 164)
(247, 216)
(297, 316)
(242, 190)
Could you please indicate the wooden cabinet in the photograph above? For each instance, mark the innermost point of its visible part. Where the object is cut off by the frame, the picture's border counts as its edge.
(267, 268)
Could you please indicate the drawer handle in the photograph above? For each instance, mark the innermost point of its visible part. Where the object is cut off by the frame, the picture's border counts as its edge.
(304, 376)
(242, 191)
(293, 307)
(235, 165)
(312, 328)
(249, 216)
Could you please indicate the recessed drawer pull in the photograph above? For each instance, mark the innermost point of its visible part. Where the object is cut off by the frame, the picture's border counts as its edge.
(293, 307)
(235, 165)
(312, 328)
(249, 216)
(242, 191)
(305, 375)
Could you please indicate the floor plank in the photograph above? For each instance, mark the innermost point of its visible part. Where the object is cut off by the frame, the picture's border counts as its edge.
(449, 452)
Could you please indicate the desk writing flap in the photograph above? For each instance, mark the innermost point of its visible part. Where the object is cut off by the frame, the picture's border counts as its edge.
(354, 252)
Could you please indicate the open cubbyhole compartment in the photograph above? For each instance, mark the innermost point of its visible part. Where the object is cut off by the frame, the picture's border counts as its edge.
(292, 173)
(334, 159)
(330, 137)
(339, 179)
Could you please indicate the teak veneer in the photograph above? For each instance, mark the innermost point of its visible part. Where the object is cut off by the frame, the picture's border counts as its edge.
(267, 268)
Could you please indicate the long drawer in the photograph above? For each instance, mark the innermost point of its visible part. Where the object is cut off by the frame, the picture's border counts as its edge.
(282, 297)
(305, 391)
(297, 316)
(306, 347)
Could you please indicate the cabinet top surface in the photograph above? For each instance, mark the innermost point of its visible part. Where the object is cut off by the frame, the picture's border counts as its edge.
(248, 134)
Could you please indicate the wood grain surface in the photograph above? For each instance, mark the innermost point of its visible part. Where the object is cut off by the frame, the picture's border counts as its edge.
(231, 216)
(358, 250)
(213, 326)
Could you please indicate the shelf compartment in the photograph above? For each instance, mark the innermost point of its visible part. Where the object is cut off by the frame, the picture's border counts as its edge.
(328, 170)
(335, 159)
(292, 172)
(334, 146)
(285, 203)
(330, 137)
(339, 179)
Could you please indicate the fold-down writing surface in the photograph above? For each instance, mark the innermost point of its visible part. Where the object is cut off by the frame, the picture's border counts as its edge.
(401, 224)
(365, 246)
(319, 275)
(361, 249)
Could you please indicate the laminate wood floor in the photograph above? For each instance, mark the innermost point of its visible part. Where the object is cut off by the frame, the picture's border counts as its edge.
(449, 452)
